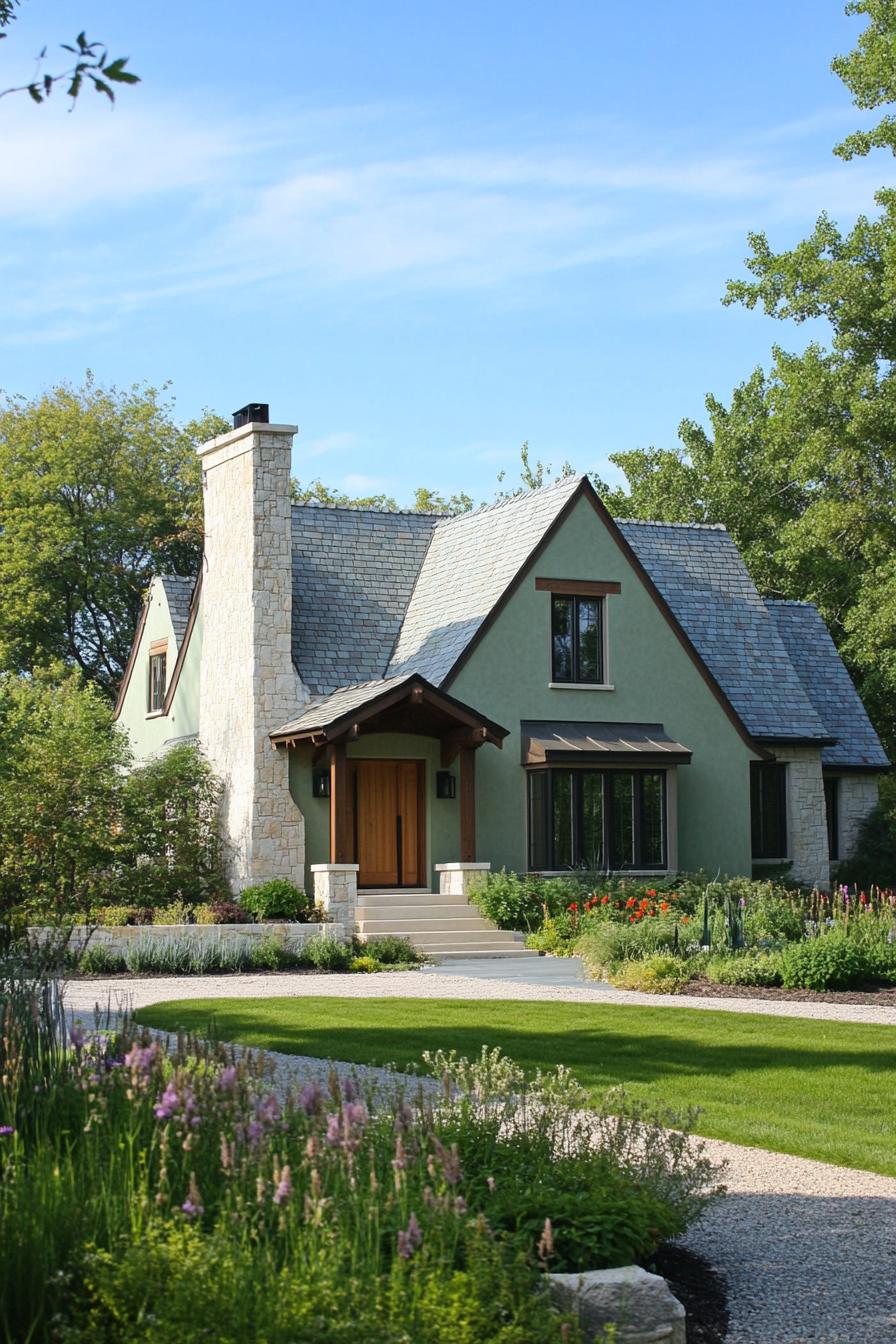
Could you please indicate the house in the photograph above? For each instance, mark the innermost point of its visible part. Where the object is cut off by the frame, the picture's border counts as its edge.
(397, 700)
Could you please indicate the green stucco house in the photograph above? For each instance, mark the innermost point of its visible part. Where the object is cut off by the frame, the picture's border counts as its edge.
(395, 701)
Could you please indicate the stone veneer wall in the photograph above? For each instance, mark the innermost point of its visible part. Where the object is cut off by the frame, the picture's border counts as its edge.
(807, 831)
(857, 795)
(248, 685)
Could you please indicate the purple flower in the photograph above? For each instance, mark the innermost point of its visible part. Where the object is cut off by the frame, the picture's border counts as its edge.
(269, 1110)
(410, 1239)
(349, 1089)
(77, 1036)
(168, 1103)
(227, 1078)
(284, 1187)
(7, 1129)
(310, 1098)
(192, 1210)
(141, 1058)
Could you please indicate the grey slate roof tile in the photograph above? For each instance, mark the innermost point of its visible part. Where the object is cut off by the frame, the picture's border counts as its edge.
(701, 575)
(323, 710)
(828, 685)
(178, 594)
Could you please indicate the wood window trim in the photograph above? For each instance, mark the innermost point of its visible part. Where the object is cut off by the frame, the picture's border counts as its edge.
(578, 587)
(575, 678)
(158, 646)
(156, 703)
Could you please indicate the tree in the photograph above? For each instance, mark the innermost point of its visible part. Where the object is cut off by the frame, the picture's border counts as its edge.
(425, 500)
(99, 490)
(61, 762)
(801, 466)
(91, 65)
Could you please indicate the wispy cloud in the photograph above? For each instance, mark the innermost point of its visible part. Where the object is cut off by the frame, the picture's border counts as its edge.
(164, 205)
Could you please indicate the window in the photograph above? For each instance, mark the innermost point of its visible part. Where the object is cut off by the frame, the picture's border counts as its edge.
(598, 819)
(577, 645)
(768, 809)
(832, 814)
(157, 675)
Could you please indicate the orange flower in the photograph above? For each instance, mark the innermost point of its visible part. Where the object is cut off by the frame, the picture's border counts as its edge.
(604, 900)
(664, 905)
(644, 904)
(650, 891)
(630, 902)
(685, 919)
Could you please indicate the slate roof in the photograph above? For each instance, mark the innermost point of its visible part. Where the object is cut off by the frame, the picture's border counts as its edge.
(700, 573)
(327, 709)
(178, 594)
(352, 575)
(472, 558)
(828, 685)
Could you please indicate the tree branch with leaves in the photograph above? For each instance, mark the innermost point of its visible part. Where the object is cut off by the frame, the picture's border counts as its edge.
(91, 66)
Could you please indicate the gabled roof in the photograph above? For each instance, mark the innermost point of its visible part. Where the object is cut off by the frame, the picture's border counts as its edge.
(828, 685)
(700, 573)
(352, 575)
(178, 594)
(472, 559)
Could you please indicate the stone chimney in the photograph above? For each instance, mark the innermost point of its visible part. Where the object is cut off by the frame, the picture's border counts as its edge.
(248, 685)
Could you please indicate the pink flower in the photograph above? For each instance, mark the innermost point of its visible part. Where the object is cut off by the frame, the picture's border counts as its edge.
(411, 1239)
(284, 1187)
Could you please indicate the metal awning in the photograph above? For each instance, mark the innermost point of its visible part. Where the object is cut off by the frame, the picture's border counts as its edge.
(551, 742)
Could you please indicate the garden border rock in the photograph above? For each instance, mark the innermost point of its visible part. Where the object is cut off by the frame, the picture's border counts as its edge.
(641, 1305)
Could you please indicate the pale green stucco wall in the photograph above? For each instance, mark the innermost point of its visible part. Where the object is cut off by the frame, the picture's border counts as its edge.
(442, 814)
(149, 733)
(655, 681)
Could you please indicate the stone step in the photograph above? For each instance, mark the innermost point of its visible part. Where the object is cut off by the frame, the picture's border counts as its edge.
(463, 937)
(488, 954)
(423, 899)
(416, 914)
(421, 929)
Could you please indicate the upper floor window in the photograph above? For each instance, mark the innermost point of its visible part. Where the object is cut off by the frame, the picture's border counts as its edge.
(577, 639)
(158, 663)
(768, 809)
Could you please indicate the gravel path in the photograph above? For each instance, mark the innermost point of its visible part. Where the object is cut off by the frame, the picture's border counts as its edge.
(434, 983)
(808, 1249)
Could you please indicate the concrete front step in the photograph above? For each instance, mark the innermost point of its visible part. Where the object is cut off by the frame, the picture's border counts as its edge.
(439, 925)
(422, 900)
(413, 919)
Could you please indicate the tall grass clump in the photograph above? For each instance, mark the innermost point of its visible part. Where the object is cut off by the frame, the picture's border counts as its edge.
(148, 1196)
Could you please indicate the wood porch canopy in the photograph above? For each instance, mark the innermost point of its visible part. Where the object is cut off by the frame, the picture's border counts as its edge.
(408, 704)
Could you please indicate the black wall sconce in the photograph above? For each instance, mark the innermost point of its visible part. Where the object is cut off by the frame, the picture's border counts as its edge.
(320, 784)
(445, 784)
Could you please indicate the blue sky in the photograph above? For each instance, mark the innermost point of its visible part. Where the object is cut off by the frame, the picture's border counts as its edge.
(422, 231)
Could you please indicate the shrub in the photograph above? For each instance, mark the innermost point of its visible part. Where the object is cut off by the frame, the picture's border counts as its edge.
(606, 942)
(881, 961)
(652, 975)
(221, 912)
(391, 950)
(326, 954)
(748, 968)
(365, 964)
(831, 961)
(178, 912)
(558, 936)
(170, 847)
(276, 899)
(273, 954)
(510, 901)
(97, 959)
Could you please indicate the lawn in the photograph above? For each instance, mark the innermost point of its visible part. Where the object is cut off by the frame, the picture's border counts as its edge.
(815, 1088)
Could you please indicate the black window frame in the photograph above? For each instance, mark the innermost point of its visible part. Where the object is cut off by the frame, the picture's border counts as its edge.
(543, 846)
(576, 678)
(832, 814)
(157, 686)
(769, 837)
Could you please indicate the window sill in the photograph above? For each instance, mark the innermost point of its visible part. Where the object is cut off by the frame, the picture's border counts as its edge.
(785, 858)
(155, 713)
(580, 686)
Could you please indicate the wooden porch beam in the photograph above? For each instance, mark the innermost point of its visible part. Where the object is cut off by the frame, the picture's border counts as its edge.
(462, 740)
(468, 805)
(340, 835)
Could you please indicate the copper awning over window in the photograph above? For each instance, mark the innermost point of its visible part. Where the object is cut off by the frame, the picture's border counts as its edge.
(551, 742)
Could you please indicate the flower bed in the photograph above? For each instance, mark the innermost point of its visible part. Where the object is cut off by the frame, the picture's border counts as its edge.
(145, 1198)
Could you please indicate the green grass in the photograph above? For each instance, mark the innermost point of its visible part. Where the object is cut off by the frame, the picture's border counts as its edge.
(815, 1088)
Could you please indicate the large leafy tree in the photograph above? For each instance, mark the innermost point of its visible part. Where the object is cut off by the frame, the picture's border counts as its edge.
(99, 490)
(801, 464)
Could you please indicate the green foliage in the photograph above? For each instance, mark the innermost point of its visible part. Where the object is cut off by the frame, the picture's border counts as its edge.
(557, 936)
(606, 944)
(326, 954)
(391, 950)
(366, 965)
(273, 953)
(107, 480)
(869, 72)
(170, 848)
(425, 500)
(60, 763)
(831, 961)
(747, 968)
(275, 899)
(874, 860)
(96, 959)
(509, 900)
(652, 975)
(91, 66)
(221, 912)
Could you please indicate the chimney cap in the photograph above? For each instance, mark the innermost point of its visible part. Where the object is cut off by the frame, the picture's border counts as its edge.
(255, 412)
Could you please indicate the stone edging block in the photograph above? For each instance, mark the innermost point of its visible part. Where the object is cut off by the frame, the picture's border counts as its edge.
(640, 1305)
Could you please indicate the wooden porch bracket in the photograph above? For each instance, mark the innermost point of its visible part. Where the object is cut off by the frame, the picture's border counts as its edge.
(465, 739)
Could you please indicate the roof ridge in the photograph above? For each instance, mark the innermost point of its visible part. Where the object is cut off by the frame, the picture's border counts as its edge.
(378, 513)
(658, 522)
(575, 477)
(788, 602)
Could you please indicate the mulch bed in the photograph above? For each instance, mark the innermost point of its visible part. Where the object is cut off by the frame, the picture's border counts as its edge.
(700, 1289)
(879, 997)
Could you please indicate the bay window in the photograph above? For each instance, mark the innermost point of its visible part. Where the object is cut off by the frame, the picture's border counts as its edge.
(603, 820)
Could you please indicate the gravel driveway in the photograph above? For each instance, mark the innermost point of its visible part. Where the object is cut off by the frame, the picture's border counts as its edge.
(808, 1249)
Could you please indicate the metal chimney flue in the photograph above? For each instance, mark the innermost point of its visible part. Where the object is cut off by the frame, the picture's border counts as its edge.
(257, 412)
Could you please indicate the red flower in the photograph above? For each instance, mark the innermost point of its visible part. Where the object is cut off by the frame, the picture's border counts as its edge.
(664, 905)
(630, 902)
(644, 904)
(685, 919)
(604, 900)
(573, 906)
(650, 891)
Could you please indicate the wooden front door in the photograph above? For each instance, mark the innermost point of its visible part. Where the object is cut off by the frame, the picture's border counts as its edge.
(388, 823)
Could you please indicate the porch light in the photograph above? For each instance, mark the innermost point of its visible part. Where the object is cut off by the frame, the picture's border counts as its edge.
(320, 784)
(445, 784)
